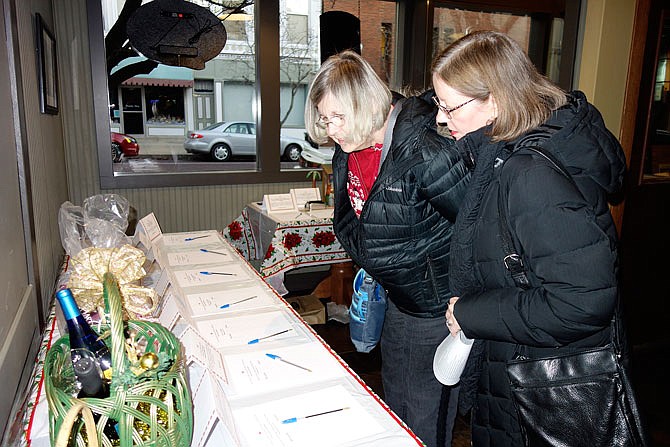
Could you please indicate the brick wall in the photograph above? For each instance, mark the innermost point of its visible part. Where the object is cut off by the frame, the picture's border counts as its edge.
(374, 15)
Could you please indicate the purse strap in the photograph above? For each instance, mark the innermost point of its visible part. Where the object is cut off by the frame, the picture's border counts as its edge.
(513, 261)
(388, 135)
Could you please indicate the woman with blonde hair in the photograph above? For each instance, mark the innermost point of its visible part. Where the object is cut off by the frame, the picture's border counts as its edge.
(398, 185)
(501, 110)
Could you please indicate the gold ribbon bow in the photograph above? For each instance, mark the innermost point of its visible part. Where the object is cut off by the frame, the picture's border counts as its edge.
(126, 264)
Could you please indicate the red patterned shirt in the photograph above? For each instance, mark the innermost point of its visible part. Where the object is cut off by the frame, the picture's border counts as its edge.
(363, 168)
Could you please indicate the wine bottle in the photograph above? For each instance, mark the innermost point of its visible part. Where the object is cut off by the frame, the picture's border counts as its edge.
(87, 371)
(81, 334)
(91, 384)
(91, 360)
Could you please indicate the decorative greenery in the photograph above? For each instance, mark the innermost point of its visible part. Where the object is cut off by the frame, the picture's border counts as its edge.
(315, 175)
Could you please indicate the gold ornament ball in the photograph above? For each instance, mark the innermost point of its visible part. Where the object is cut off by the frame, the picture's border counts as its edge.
(149, 361)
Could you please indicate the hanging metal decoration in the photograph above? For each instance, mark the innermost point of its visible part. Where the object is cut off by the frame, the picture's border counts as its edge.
(176, 32)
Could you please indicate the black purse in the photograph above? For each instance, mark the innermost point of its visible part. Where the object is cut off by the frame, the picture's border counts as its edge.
(576, 399)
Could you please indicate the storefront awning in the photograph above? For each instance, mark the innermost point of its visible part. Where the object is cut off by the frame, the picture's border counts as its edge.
(159, 82)
(161, 76)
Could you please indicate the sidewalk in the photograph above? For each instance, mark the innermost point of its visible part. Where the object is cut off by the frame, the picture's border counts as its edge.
(162, 146)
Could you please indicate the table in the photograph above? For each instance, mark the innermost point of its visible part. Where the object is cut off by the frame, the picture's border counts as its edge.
(289, 240)
(241, 405)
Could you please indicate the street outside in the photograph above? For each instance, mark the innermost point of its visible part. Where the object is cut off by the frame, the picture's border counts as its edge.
(154, 146)
(167, 154)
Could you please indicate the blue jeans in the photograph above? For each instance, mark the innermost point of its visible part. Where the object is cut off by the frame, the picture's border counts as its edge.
(408, 346)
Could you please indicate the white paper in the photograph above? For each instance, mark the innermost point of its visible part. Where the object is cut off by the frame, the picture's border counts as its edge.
(210, 410)
(209, 303)
(162, 283)
(326, 213)
(170, 311)
(261, 425)
(199, 350)
(224, 410)
(301, 196)
(256, 372)
(278, 202)
(151, 228)
(214, 274)
(289, 216)
(196, 239)
(200, 256)
(241, 330)
(204, 414)
(162, 299)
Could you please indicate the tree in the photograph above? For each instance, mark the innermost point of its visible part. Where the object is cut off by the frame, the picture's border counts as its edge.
(295, 61)
(298, 61)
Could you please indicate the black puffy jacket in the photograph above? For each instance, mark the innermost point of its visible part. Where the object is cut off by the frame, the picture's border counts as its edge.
(403, 234)
(568, 242)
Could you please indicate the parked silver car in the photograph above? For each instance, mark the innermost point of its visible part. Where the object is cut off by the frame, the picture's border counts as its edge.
(321, 155)
(226, 139)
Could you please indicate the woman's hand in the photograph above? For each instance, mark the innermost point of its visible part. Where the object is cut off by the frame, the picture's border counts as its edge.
(452, 324)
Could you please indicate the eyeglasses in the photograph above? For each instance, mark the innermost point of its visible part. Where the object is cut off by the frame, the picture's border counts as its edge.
(336, 120)
(448, 111)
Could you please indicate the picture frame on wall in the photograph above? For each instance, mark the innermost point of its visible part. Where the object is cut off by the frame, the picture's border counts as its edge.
(46, 67)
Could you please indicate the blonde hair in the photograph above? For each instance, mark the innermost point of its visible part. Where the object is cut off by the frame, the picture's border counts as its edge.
(487, 63)
(364, 98)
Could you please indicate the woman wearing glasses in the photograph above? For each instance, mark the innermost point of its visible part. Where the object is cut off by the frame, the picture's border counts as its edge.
(497, 106)
(398, 185)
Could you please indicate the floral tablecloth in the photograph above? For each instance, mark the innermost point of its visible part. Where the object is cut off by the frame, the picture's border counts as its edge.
(239, 234)
(284, 244)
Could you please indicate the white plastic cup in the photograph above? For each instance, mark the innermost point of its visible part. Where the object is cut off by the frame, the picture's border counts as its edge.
(450, 358)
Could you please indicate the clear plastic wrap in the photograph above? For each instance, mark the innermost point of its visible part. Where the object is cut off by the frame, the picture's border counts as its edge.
(112, 208)
(71, 223)
(101, 222)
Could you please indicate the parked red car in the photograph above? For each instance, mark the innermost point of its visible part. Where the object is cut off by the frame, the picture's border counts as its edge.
(123, 146)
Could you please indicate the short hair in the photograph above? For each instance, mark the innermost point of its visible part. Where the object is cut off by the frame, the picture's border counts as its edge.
(486, 63)
(363, 96)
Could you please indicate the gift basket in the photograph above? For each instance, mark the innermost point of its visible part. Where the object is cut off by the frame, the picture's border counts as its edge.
(148, 402)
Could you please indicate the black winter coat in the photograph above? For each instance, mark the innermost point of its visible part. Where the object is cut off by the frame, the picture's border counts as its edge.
(403, 234)
(568, 242)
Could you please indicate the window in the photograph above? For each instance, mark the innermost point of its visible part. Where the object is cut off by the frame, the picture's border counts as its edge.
(273, 65)
(296, 28)
(238, 128)
(654, 108)
(164, 105)
(537, 27)
(236, 30)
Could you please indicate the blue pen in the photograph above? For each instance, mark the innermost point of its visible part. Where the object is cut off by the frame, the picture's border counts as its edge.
(276, 357)
(194, 238)
(227, 305)
(256, 340)
(217, 273)
(296, 419)
(204, 250)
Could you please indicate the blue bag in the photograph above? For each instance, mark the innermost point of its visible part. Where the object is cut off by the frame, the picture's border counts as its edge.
(366, 313)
